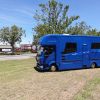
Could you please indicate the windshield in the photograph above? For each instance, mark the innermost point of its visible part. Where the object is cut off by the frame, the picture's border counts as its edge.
(39, 50)
(45, 49)
(48, 49)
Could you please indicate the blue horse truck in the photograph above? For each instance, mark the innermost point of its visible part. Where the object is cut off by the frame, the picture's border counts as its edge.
(64, 52)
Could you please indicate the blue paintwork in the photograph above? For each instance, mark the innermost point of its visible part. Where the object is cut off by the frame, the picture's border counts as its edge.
(84, 56)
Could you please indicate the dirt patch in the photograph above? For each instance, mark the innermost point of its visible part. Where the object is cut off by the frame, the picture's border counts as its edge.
(96, 93)
(47, 86)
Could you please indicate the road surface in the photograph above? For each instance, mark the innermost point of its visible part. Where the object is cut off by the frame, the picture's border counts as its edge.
(16, 57)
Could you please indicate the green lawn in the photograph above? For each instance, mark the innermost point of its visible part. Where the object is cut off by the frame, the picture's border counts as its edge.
(16, 69)
(58, 83)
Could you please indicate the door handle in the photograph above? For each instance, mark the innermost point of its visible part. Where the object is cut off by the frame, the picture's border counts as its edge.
(63, 57)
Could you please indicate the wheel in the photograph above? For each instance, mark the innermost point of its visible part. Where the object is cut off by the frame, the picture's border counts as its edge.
(93, 65)
(53, 68)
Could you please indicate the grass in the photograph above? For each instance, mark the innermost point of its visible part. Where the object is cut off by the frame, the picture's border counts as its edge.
(86, 93)
(19, 81)
(16, 69)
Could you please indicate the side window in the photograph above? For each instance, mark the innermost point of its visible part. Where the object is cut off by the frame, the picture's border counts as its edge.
(70, 47)
(95, 46)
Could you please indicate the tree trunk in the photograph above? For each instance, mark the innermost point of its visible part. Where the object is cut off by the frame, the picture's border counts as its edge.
(13, 49)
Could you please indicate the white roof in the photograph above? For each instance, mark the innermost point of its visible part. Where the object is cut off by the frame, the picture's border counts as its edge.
(5, 47)
(66, 34)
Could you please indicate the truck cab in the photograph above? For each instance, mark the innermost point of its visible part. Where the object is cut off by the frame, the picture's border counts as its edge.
(46, 55)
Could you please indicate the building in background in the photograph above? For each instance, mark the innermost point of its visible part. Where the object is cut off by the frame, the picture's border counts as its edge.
(5, 48)
(28, 47)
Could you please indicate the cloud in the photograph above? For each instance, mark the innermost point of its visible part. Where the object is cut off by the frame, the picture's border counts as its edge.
(22, 15)
(25, 12)
(11, 19)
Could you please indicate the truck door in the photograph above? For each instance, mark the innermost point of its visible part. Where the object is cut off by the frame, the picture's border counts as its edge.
(49, 54)
(71, 58)
(85, 55)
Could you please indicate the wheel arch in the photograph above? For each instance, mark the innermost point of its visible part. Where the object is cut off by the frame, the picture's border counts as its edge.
(53, 63)
(94, 63)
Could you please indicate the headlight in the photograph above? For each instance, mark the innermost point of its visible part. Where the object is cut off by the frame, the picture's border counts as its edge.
(41, 67)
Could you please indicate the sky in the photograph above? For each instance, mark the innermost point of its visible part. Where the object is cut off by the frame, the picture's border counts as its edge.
(21, 12)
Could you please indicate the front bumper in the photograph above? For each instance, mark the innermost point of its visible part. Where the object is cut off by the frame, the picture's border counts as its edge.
(42, 67)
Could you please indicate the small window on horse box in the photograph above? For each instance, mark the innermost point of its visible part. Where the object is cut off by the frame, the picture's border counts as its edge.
(95, 46)
(70, 47)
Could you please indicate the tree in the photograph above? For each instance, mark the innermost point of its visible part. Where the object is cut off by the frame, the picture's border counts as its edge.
(93, 32)
(42, 29)
(53, 18)
(80, 28)
(11, 35)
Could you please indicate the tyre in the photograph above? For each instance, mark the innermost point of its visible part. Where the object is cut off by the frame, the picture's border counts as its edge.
(93, 65)
(53, 68)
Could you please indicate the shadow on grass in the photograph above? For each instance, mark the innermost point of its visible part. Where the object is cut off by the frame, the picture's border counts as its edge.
(39, 70)
(42, 71)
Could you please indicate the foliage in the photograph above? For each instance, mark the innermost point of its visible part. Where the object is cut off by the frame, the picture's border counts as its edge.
(53, 18)
(42, 30)
(93, 32)
(80, 28)
(35, 42)
(11, 35)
